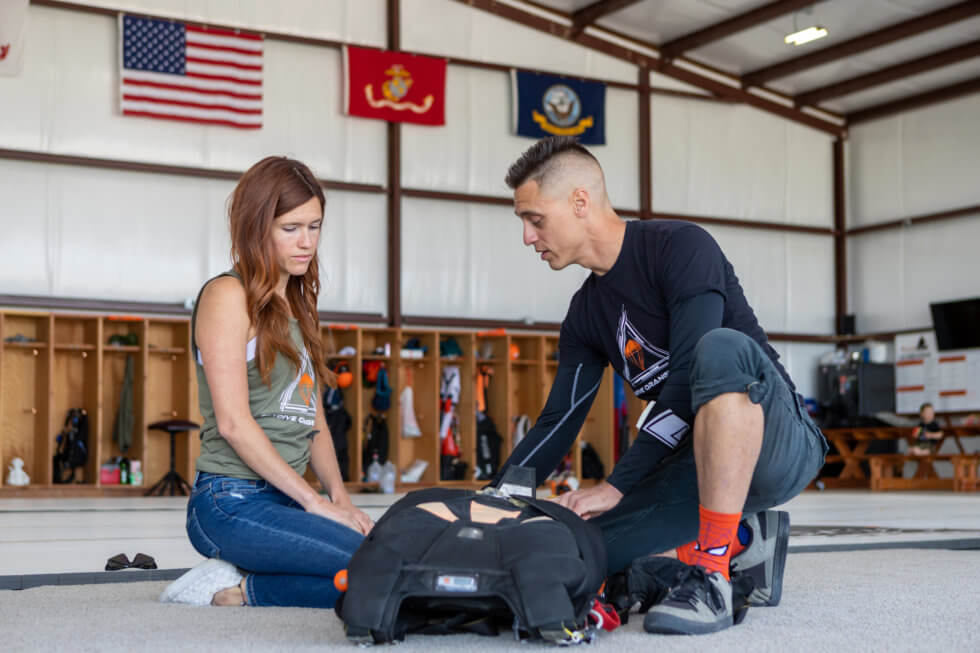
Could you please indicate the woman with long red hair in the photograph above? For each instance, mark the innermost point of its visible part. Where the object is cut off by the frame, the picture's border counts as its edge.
(270, 538)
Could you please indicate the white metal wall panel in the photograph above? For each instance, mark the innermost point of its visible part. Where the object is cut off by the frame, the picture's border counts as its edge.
(103, 234)
(915, 163)
(621, 155)
(26, 228)
(358, 21)
(100, 234)
(473, 151)
(66, 102)
(787, 277)
(453, 29)
(941, 154)
(354, 254)
(468, 260)
(873, 166)
(895, 274)
(737, 162)
(875, 269)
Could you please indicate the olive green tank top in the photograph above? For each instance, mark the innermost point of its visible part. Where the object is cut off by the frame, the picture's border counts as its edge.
(285, 409)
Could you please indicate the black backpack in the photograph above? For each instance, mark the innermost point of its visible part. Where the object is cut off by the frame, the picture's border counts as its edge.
(436, 563)
(338, 422)
(375, 440)
(71, 446)
(488, 443)
(592, 466)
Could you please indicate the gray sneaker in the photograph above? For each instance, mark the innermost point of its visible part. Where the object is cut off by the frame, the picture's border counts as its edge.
(764, 559)
(699, 603)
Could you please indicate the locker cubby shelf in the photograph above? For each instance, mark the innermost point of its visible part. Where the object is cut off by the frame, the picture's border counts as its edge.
(68, 363)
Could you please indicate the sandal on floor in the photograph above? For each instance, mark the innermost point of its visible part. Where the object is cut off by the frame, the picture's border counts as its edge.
(143, 561)
(117, 562)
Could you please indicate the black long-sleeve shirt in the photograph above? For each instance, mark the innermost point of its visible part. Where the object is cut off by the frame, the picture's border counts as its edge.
(669, 286)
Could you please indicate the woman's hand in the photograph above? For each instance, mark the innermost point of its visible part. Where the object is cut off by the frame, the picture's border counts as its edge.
(364, 523)
(333, 512)
(343, 512)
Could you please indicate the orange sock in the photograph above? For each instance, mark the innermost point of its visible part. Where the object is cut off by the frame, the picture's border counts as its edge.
(713, 548)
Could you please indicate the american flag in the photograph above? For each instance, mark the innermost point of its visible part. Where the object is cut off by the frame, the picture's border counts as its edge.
(196, 74)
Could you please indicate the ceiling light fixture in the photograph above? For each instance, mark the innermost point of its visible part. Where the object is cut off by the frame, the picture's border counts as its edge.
(806, 35)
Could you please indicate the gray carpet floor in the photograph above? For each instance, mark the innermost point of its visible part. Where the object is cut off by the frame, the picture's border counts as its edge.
(887, 600)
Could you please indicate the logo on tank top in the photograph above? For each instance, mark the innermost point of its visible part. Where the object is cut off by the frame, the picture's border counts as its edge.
(299, 396)
(644, 365)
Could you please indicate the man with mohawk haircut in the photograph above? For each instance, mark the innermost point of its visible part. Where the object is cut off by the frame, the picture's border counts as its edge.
(725, 435)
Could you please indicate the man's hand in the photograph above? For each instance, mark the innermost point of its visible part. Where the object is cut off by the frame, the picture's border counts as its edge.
(592, 502)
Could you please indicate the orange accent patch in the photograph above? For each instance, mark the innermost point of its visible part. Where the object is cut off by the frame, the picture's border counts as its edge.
(634, 353)
(305, 388)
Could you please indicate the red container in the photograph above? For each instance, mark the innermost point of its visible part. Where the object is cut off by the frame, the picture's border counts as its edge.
(109, 475)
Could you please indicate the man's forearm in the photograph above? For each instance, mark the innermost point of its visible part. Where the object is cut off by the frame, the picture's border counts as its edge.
(556, 429)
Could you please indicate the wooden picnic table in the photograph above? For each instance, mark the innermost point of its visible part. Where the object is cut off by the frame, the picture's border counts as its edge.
(852, 445)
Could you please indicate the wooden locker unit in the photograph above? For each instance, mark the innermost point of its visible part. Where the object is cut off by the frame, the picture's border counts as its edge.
(168, 394)
(598, 427)
(423, 374)
(491, 356)
(26, 396)
(550, 369)
(466, 408)
(634, 408)
(336, 337)
(380, 339)
(76, 382)
(68, 363)
(528, 388)
(114, 358)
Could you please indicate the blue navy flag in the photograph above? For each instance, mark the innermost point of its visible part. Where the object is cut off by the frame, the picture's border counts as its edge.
(549, 105)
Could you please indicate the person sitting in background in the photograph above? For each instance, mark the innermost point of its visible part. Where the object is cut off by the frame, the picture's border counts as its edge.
(927, 433)
(270, 538)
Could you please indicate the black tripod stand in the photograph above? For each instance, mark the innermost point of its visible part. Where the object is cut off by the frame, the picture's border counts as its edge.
(172, 480)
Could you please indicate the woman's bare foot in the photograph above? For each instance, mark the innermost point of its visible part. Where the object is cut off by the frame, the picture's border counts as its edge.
(232, 596)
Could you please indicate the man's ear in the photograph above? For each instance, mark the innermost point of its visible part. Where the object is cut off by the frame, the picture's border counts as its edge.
(580, 202)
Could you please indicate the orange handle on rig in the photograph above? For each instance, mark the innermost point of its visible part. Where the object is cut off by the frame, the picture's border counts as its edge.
(340, 580)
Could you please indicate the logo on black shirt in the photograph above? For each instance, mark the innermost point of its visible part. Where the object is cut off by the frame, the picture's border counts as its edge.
(642, 362)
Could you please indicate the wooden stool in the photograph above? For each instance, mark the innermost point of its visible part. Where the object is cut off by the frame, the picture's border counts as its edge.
(172, 480)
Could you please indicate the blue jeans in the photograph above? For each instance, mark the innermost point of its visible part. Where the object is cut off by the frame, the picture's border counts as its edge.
(661, 512)
(289, 555)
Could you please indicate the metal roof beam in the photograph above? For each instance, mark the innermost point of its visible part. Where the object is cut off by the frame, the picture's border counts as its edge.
(915, 101)
(867, 41)
(590, 14)
(733, 25)
(890, 74)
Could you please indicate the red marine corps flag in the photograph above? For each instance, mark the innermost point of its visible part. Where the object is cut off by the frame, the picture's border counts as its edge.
(394, 86)
(13, 31)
